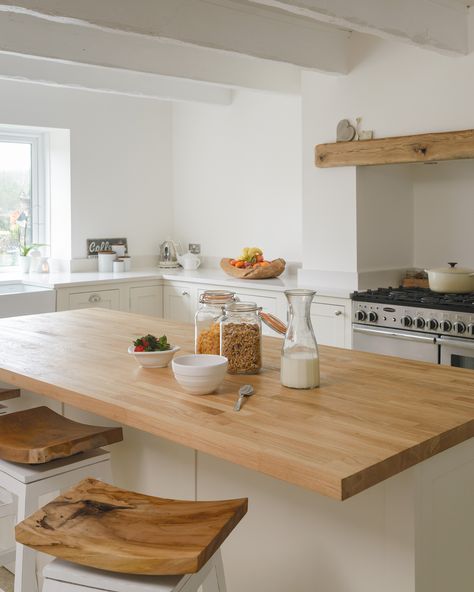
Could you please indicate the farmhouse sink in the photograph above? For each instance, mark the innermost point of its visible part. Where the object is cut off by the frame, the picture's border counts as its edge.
(17, 299)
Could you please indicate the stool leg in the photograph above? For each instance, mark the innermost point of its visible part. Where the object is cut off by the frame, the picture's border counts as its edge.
(215, 579)
(25, 564)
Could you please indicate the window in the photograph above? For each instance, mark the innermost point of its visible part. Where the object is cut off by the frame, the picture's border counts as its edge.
(22, 195)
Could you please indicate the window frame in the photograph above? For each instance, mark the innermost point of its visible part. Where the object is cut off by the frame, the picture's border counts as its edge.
(40, 211)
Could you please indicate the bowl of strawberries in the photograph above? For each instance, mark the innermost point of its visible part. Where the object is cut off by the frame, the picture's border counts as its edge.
(252, 265)
(153, 352)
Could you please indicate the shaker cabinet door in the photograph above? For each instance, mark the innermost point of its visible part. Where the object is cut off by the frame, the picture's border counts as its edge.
(180, 303)
(329, 324)
(147, 300)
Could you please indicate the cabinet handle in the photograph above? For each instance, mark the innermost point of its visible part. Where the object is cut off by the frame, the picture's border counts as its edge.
(94, 298)
(337, 313)
(184, 293)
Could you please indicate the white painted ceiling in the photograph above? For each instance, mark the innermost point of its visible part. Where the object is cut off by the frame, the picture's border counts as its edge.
(253, 43)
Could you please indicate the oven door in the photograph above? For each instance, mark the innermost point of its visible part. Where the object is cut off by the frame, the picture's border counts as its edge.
(457, 352)
(392, 342)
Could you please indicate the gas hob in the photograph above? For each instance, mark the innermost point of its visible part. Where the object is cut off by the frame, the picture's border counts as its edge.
(417, 309)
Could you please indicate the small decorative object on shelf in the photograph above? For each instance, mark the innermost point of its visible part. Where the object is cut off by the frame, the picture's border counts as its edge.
(345, 131)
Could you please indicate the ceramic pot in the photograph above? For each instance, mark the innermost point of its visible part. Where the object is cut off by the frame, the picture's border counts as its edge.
(452, 279)
(25, 262)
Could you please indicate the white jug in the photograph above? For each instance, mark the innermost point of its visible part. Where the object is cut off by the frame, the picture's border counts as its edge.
(189, 261)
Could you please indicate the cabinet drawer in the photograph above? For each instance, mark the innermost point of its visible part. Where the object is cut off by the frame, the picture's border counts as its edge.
(97, 299)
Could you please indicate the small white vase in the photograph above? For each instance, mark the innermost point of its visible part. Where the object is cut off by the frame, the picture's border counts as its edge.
(25, 262)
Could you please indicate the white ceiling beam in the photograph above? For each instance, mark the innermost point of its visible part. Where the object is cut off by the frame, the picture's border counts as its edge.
(48, 72)
(225, 25)
(26, 35)
(440, 25)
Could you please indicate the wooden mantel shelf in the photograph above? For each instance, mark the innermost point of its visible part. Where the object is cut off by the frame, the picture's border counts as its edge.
(398, 150)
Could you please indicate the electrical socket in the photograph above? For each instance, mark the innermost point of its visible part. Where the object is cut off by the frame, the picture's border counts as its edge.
(194, 248)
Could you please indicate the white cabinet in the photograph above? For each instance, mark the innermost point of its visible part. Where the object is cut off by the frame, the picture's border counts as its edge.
(331, 321)
(144, 297)
(95, 299)
(146, 300)
(180, 302)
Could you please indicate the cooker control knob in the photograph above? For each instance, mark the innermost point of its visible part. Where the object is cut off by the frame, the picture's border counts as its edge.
(445, 326)
(459, 327)
(432, 324)
(407, 321)
(373, 317)
(470, 329)
(420, 323)
(361, 315)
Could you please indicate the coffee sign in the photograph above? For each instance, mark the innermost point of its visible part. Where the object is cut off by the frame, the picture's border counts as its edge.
(94, 245)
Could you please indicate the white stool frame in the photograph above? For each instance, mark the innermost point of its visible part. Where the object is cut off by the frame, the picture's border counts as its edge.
(27, 483)
(62, 576)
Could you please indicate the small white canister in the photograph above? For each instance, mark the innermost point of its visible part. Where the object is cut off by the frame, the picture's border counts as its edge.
(127, 262)
(118, 266)
(119, 249)
(106, 261)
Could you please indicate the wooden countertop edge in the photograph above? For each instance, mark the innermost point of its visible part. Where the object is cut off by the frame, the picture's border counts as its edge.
(294, 473)
(390, 467)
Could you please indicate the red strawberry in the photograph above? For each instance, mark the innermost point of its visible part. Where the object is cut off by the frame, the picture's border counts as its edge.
(145, 344)
(139, 348)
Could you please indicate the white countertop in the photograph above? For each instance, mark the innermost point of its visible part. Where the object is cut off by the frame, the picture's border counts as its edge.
(199, 276)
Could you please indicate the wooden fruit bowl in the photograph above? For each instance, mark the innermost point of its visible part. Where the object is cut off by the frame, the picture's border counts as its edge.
(276, 268)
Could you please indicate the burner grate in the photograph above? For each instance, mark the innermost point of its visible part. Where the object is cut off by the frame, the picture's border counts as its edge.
(417, 296)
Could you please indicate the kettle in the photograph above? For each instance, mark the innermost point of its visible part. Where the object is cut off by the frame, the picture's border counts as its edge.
(189, 261)
(168, 254)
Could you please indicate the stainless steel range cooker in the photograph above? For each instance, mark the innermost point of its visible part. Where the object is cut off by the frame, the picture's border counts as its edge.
(415, 323)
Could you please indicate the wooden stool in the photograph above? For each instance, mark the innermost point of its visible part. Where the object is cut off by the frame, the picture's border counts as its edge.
(147, 542)
(38, 456)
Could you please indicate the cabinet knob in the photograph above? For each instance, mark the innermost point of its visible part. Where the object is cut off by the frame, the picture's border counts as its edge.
(184, 293)
(337, 313)
(94, 298)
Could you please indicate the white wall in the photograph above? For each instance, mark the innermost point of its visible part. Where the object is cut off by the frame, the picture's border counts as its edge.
(121, 181)
(385, 220)
(397, 89)
(444, 214)
(237, 175)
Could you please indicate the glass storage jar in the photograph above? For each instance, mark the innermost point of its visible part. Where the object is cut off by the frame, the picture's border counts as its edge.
(206, 321)
(241, 337)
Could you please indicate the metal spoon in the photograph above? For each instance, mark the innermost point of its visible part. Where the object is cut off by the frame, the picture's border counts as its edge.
(244, 391)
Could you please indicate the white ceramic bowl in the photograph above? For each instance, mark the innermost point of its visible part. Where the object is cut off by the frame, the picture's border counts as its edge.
(200, 374)
(156, 359)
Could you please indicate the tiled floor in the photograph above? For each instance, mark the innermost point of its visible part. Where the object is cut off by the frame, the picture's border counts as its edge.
(6, 580)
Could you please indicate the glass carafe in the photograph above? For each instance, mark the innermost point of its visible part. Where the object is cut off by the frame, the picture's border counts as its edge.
(299, 355)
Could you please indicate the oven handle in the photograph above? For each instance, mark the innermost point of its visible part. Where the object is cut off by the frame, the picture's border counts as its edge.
(459, 343)
(393, 334)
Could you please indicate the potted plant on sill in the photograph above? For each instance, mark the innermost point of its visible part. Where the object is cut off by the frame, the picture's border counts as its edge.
(25, 249)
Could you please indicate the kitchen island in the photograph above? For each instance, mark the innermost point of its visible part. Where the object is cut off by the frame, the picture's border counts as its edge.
(392, 435)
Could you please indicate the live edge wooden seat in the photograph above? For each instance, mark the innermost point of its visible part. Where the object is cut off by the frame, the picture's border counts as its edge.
(101, 526)
(39, 435)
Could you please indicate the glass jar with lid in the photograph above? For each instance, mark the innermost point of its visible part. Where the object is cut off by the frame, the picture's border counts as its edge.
(206, 321)
(241, 337)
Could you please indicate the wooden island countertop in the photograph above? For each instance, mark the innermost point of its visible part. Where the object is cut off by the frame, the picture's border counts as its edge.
(372, 417)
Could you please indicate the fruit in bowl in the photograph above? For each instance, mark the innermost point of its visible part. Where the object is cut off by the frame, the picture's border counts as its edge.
(153, 352)
(252, 265)
(250, 257)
